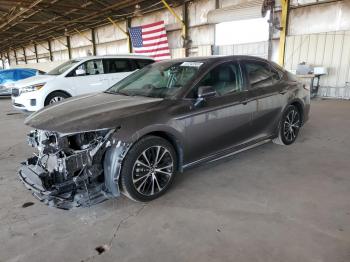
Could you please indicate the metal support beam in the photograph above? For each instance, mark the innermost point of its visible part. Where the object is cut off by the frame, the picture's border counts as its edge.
(68, 47)
(8, 58)
(24, 55)
(93, 38)
(284, 31)
(36, 53)
(186, 40)
(50, 50)
(82, 35)
(178, 18)
(62, 43)
(128, 25)
(14, 51)
(122, 30)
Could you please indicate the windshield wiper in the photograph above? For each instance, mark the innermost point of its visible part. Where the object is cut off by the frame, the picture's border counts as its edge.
(116, 93)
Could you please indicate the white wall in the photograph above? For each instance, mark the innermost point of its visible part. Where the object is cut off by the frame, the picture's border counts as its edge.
(320, 36)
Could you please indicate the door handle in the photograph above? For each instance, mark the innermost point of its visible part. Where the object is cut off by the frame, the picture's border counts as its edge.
(245, 102)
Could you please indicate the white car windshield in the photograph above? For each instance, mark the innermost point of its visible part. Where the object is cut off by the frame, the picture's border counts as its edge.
(63, 67)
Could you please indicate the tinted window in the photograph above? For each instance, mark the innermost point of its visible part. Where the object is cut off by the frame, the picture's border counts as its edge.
(225, 78)
(117, 66)
(91, 67)
(260, 74)
(276, 76)
(142, 63)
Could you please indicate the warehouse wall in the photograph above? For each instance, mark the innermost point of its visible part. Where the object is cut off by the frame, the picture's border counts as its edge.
(322, 42)
(111, 40)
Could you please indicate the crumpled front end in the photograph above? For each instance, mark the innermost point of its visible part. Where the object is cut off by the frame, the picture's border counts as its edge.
(68, 170)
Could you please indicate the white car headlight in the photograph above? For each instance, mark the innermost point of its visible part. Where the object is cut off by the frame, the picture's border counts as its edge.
(32, 88)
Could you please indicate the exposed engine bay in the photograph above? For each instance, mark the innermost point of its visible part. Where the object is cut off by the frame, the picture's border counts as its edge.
(72, 170)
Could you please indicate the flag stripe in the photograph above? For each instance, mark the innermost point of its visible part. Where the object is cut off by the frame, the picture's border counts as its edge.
(153, 37)
(166, 45)
(153, 50)
(153, 31)
(155, 41)
(153, 24)
(145, 30)
(152, 44)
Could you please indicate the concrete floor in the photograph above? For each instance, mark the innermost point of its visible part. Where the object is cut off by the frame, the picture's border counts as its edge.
(271, 203)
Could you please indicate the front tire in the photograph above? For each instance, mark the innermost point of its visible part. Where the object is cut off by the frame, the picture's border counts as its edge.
(289, 126)
(55, 97)
(148, 169)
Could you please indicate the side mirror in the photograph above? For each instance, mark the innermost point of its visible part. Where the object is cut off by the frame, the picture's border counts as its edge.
(80, 72)
(205, 92)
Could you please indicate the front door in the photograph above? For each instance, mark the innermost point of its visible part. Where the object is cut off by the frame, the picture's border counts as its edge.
(94, 79)
(219, 122)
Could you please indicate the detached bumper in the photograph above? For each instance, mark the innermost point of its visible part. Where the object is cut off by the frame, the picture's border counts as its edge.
(32, 177)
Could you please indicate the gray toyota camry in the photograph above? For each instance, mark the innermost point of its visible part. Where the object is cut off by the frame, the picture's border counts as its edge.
(162, 119)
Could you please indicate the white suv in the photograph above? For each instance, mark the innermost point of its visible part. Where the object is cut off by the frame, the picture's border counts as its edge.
(74, 77)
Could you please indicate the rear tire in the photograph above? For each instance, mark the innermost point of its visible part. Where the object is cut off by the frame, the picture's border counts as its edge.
(289, 126)
(55, 97)
(148, 169)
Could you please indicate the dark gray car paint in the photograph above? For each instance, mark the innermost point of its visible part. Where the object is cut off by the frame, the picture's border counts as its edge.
(215, 126)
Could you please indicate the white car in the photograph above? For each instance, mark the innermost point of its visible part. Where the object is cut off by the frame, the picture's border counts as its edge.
(74, 77)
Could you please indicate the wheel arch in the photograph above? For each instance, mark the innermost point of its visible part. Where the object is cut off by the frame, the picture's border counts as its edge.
(173, 140)
(54, 91)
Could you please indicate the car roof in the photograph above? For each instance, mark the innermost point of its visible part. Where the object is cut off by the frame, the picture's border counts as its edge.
(20, 69)
(127, 56)
(215, 58)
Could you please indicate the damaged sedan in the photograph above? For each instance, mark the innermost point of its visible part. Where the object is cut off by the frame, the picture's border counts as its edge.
(164, 118)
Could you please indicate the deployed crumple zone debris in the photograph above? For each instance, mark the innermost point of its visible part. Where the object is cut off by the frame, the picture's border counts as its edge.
(69, 169)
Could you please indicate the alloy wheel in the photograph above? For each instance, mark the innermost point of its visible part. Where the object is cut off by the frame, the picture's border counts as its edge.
(291, 125)
(153, 170)
(56, 99)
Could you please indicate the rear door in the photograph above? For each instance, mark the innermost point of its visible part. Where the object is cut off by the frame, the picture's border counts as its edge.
(267, 89)
(94, 79)
(117, 68)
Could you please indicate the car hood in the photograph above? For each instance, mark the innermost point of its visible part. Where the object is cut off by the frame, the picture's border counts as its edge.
(90, 112)
(33, 80)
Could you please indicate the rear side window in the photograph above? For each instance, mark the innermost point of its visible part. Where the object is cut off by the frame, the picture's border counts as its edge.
(143, 62)
(260, 74)
(117, 66)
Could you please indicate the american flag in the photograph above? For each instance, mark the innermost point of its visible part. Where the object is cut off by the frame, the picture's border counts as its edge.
(150, 40)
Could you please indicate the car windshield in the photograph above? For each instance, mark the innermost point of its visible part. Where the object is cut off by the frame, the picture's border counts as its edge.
(159, 80)
(63, 67)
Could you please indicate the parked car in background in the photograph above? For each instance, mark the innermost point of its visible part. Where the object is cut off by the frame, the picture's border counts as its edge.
(9, 76)
(75, 77)
(165, 118)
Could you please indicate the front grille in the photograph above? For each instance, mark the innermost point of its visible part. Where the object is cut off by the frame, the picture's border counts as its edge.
(15, 91)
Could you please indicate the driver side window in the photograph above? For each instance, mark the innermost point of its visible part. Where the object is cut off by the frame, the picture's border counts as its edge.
(91, 67)
(224, 78)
